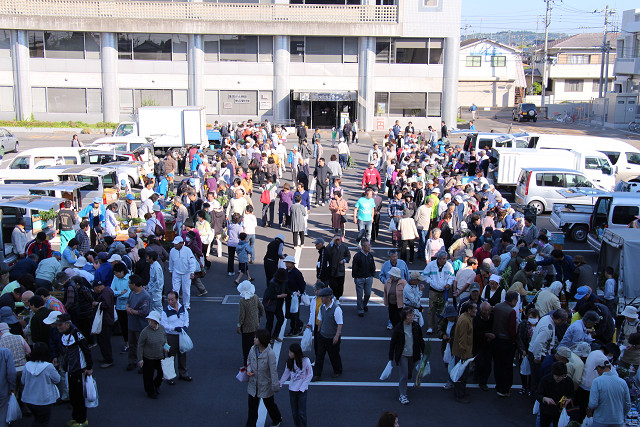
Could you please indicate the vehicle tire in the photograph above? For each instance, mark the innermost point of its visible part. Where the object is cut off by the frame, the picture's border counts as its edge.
(520, 119)
(131, 183)
(15, 150)
(538, 206)
(579, 233)
(535, 119)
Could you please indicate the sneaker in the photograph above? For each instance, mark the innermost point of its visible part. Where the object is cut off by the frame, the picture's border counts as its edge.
(503, 394)
(124, 349)
(203, 293)
(430, 330)
(523, 392)
(483, 387)
(463, 399)
(366, 308)
(403, 399)
(106, 365)
(231, 273)
(83, 424)
(448, 385)
(389, 325)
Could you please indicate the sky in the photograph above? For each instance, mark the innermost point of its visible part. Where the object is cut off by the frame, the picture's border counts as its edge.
(568, 16)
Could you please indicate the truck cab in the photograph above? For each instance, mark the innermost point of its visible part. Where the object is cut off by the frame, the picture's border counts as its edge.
(100, 180)
(612, 211)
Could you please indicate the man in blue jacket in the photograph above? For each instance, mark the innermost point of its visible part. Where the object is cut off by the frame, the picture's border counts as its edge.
(96, 215)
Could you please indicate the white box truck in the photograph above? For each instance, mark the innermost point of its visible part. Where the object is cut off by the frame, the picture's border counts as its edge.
(166, 127)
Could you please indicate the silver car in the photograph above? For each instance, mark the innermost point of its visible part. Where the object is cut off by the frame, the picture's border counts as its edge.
(8, 141)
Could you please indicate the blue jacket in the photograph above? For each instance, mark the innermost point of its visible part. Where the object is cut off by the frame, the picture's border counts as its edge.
(104, 274)
(384, 270)
(306, 202)
(163, 187)
(197, 161)
(88, 211)
(7, 372)
(243, 250)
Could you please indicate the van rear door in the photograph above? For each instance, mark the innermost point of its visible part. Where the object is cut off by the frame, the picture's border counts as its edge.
(599, 221)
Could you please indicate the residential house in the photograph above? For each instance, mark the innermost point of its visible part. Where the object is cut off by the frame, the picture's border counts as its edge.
(623, 102)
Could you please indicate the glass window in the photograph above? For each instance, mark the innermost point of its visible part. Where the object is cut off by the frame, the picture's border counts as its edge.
(180, 97)
(434, 104)
(552, 179)
(624, 214)
(109, 180)
(265, 102)
(36, 44)
(179, 47)
(211, 101)
(6, 98)
(620, 48)
(211, 47)
(431, 3)
(573, 85)
(64, 44)
(94, 100)
(474, 61)
(39, 99)
(20, 163)
(612, 155)
(350, 50)
(411, 51)
(152, 47)
(239, 48)
(5, 43)
(238, 102)
(66, 100)
(592, 163)
(633, 158)
(92, 180)
(573, 180)
(92, 45)
(48, 159)
(382, 103)
(383, 50)
(435, 51)
(296, 49)
(498, 61)
(126, 101)
(323, 49)
(579, 59)
(265, 48)
(153, 97)
(124, 46)
(408, 104)
(69, 160)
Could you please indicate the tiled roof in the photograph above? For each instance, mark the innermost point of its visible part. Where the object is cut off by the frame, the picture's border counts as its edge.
(585, 40)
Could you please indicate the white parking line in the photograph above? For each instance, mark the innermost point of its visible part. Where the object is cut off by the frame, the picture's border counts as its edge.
(392, 384)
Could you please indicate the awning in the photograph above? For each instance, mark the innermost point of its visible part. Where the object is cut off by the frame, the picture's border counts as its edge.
(39, 203)
(66, 186)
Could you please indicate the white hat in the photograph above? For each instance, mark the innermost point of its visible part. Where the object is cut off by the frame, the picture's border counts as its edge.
(51, 318)
(290, 258)
(97, 200)
(177, 240)
(246, 289)
(156, 208)
(395, 272)
(436, 190)
(215, 204)
(154, 315)
(114, 258)
(446, 196)
(80, 262)
(630, 311)
(495, 278)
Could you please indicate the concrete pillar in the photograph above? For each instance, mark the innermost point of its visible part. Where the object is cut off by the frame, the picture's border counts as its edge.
(450, 81)
(281, 88)
(21, 82)
(195, 95)
(110, 89)
(366, 92)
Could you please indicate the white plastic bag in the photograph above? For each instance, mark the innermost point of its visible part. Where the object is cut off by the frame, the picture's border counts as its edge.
(295, 303)
(525, 367)
(185, 342)
(458, 370)
(13, 410)
(90, 392)
(307, 340)
(588, 422)
(392, 225)
(96, 327)
(536, 408)
(242, 375)
(564, 418)
(168, 368)
(447, 357)
(387, 371)
(305, 299)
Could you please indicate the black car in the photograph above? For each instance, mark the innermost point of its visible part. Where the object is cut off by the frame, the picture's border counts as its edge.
(525, 112)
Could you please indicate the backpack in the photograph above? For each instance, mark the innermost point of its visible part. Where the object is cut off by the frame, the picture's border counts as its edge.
(158, 230)
(265, 197)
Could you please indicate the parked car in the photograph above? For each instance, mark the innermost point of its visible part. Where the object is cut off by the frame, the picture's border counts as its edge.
(37, 158)
(8, 141)
(615, 210)
(572, 215)
(526, 112)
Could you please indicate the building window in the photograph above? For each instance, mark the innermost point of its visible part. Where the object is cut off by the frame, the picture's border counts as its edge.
(179, 98)
(407, 104)
(382, 104)
(66, 100)
(124, 46)
(350, 50)
(94, 100)
(239, 48)
(323, 49)
(92, 45)
(36, 44)
(573, 85)
(265, 48)
(411, 51)
(5, 43)
(474, 61)
(238, 102)
(498, 61)
(435, 51)
(152, 47)
(6, 96)
(620, 48)
(296, 49)
(579, 59)
(383, 50)
(211, 48)
(211, 101)
(179, 42)
(64, 44)
(431, 3)
(636, 50)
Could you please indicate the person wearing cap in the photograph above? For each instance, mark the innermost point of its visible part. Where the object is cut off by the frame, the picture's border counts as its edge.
(250, 311)
(66, 220)
(105, 304)
(584, 296)
(75, 360)
(295, 285)
(196, 161)
(39, 331)
(182, 214)
(104, 267)
(394, 296)
(12, 339)
(323, 271)
(343, 153)
(562, 354)
(439, 276)
(630, 325)
(464, 277)
(406, 348)
(462, 347)
(182, 266)
(371, 177)
(609, 399)
(47, 270)
(111, 225)
(175, 319)
(330, 321)
(152, 346)
(363, 269)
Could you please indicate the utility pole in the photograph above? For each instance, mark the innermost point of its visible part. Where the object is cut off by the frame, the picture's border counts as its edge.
(545, 55)
(604, 64)
(466, 28)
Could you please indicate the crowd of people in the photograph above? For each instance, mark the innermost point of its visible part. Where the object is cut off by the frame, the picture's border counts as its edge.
(483, 260)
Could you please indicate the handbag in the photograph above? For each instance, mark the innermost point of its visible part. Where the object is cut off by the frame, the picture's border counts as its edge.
(96, 327)
(158, 230)
(447, 357)
(168, 368)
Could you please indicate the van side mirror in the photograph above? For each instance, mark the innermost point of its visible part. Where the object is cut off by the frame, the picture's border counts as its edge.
(608, 170)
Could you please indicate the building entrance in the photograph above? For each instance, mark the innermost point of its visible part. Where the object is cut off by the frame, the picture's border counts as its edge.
(322, 110)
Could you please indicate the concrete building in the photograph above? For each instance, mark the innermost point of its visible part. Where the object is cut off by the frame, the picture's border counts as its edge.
(491, 74)
(95, 60)
(623, 102)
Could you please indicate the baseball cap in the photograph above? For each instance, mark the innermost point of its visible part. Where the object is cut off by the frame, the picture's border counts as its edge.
(130, 197)
(177, 240)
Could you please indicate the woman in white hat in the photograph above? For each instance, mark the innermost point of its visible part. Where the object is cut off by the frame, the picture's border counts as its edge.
(630, 325)
(250, 311)
(152, 346)
(393, 295)
(493, 293)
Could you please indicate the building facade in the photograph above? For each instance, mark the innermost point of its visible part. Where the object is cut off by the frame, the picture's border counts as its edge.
(98, 60)
(491, 74)
(623, 102)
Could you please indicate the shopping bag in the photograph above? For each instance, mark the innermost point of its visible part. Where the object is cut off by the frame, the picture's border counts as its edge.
(13, 410)
(242, 375)
(90, 391)
(295, 303)
(305, 299)
(447, 357)
(168, 368)
(588, 422)
(564, 418)
(392, 225)
(525, 367)
(458, 370)
(307, 340)
(423, 368)
(185, 342)
(96, 327)
(387, 371)
(536, 408)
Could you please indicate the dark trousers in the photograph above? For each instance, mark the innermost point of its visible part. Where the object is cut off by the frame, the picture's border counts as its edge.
(133, 346)
(85, 327)
(326, 345)
(283, 214)
(546, 420)
(483, 365)
(42, 283)
(76, 396)
(151, 383)
(315, 339)
(174, 342)
(375, 227)
(270, 268)
(124, 324)
(231, 256)
(321, 193)
(298, 238)
(280, 320)
(247, 343)
(460, 386)
(535, 372)
(582, 400)
(41, 414)
(298, 400)
(337, 286)
(410, 244)
(272, 410)
(104, 341)
(394, 314)
(503, 351)
(181, 166)
(270, 209)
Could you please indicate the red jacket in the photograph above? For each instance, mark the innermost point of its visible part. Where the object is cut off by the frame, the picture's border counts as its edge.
(371, 177)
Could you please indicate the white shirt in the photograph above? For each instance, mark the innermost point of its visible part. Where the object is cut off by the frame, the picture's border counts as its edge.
(182, 261)
(249, 223)
(337, 315)
(343, 148)
(83, 273)
(20, 238)
(589, 373)
(145, 193)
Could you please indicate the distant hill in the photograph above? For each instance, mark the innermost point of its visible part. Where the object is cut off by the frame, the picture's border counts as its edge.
(516, 38)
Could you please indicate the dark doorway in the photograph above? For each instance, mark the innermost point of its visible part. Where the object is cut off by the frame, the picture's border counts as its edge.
(324, 114)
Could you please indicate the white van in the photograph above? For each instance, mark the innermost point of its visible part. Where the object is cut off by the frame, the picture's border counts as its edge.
(38, 158)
